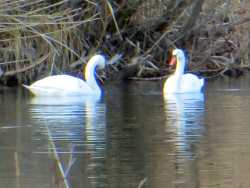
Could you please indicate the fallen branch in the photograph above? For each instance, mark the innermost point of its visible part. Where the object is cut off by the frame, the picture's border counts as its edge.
(149, 79)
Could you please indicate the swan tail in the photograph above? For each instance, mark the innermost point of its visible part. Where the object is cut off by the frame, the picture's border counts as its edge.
(30, 89)
(202, 84)
(45, 91)
(202, 81)
(27, 87)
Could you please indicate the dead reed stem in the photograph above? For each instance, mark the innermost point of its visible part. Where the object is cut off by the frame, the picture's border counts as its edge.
(64, 31)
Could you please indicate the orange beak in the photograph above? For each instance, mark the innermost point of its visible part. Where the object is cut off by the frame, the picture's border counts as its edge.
(173, 60)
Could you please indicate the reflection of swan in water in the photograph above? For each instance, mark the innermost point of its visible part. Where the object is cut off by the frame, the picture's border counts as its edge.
(184, 115)
(64, 115)
(71, 100)
(71, 123)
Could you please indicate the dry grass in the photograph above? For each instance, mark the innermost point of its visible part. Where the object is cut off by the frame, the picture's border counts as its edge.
(38, 37)
(41, 37)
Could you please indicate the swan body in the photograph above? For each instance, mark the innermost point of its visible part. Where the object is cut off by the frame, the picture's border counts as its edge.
(180, 82)
(65, 85)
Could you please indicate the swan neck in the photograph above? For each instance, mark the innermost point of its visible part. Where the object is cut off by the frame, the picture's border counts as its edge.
(180, 66)
(90, 76)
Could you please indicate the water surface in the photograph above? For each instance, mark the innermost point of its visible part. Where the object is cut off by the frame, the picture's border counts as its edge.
(132, 137)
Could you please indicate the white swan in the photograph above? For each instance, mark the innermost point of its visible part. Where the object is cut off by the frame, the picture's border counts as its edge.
(180, 82)
(65, 85)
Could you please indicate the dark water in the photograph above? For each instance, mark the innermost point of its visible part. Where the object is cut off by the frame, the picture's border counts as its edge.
(133, 137)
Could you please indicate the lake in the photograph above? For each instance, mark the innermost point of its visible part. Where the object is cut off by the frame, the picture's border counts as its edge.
(131, 138)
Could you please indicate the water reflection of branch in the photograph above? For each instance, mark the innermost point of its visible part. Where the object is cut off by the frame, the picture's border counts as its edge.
(142, 182)
(57, 158)
(17, 164)
(71, 162)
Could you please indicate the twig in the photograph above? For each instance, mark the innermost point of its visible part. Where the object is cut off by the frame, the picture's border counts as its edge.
(113, 16)
(57, 158)
(149, 79)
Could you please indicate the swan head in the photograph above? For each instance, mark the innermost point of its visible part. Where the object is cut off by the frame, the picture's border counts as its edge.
(99, 60)
(95, 61)
(177, 56)
(178, 52)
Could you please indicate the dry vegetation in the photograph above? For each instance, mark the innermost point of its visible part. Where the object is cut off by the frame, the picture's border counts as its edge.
(42, 37)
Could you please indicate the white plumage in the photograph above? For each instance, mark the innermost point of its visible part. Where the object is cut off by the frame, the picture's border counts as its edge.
(65, 85)
(180, 82)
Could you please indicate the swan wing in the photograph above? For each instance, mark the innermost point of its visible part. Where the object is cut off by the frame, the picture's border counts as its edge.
(60, 85)
(191, 83)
